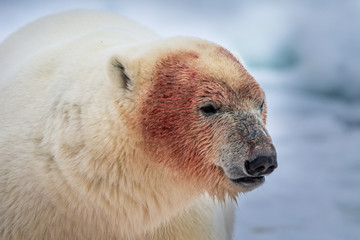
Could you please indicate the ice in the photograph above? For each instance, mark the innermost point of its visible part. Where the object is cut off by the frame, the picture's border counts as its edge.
(306, 55)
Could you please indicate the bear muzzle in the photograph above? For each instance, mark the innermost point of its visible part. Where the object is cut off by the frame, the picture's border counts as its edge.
(246, 162)
(251, 173)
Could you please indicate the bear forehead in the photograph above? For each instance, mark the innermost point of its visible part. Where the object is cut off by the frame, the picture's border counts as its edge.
(209, 70)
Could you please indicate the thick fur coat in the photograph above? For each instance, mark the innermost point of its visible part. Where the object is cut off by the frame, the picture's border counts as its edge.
(110, 132)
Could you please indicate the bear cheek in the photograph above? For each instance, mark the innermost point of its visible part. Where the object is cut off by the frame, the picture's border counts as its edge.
(178, 139)
(168, 134)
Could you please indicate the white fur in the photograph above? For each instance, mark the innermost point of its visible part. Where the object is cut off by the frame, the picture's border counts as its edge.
(69, 163)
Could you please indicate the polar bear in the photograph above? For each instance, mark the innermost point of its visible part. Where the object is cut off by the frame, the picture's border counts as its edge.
(109, 131)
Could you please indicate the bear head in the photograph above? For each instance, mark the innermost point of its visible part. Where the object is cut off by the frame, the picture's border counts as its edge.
(201, 116)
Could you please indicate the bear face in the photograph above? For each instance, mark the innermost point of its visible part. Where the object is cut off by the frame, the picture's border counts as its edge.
(203, 117)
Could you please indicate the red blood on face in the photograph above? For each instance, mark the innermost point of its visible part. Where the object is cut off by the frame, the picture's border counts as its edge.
(171, 121)
(175, 131)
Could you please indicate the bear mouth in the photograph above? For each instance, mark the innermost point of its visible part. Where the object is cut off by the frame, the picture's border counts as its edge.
(248, 181)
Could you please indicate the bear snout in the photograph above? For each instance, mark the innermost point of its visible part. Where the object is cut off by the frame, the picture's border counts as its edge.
(246, 162)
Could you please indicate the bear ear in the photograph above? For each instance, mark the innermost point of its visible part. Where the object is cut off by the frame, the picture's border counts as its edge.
(118, 71)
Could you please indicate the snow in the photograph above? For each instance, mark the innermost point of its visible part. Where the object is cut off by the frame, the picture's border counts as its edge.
(305, 54)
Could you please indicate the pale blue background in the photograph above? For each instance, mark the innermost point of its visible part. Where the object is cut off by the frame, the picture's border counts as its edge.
(306, 55)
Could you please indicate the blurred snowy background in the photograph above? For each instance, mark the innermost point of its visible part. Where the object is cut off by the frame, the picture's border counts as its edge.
(306, 55)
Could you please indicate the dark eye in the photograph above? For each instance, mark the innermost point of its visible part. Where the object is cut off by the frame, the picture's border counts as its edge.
(208, 109)
(262, 106)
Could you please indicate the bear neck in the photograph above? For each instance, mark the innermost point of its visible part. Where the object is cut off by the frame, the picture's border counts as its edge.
(130, 199)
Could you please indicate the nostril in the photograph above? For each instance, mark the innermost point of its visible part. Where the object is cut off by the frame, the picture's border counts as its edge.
(270, 169)
(261, 165)
(260, 169)
(248, 169)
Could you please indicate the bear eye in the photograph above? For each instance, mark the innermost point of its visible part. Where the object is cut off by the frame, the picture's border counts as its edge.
(262, 106)
(208, 109)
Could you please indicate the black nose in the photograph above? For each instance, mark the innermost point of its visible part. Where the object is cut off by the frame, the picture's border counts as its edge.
(261, 165)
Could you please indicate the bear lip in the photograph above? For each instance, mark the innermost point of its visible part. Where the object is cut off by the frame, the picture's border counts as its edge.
(248, 181)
